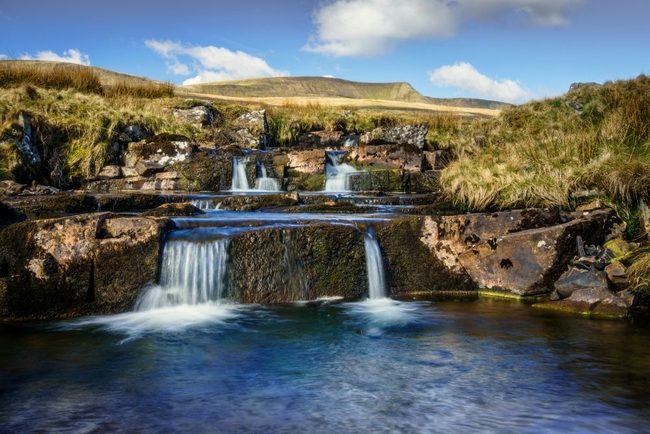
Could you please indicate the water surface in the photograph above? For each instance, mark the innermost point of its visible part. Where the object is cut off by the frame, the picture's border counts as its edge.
(374, 366)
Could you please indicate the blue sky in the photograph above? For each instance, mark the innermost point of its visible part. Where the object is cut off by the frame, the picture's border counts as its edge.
(507, 50)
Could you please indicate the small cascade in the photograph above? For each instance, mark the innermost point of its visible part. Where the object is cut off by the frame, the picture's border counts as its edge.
(374, 266)
(239, 177)
(263, 182)
(206, 204)
(192, 273)
(337, 173)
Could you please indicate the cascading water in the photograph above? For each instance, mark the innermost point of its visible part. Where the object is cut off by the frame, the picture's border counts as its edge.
(192, 273)
(263, 182)
(374, 266)
(239, 177)
(337, 173)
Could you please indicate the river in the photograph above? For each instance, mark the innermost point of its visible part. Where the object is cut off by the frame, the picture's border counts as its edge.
(382, 365)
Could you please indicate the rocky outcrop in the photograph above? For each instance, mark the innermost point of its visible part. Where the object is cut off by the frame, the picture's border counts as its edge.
(522, 252)
(67, 267)
(182, 209)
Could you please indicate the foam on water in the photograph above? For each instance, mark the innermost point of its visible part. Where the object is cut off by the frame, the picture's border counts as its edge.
(166, 319)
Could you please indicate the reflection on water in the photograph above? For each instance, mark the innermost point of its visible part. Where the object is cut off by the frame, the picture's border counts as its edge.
(375, 366)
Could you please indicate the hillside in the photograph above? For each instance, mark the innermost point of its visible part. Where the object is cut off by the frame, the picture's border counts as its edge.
(106, 76)
(310, 87)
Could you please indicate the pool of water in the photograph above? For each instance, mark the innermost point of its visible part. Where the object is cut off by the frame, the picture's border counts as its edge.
(369, 367)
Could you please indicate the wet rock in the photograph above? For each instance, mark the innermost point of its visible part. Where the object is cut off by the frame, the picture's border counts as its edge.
(412, 261)
(206, 172)
(173, 210)
(575, 279)
(82, 265)
(318, 139)
(164, 149)
(598, 301)
(40, 206)
(308, 162)
(258, 202)
(26, 142)
(280, 265)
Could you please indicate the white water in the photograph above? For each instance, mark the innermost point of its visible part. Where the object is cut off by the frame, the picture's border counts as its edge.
(191, 291)
(191, 273)
(264, 183)
(337, 173)
(374, 266)
(239, 178)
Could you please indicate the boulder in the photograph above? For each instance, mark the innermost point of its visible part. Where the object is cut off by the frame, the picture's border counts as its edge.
(308, 162)
(395, 156)
(415, 135)
(597, 301)
(251, 130)
(317, 139)
(43, 206)
(199, 116)
(82, 265)
(530, 262)
(164, 149)
(576, 278)
(617, 276)
(11, 188)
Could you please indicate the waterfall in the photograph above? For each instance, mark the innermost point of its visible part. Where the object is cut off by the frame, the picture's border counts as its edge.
(192, 273)
(263, 182)
(239, 177)
(337, 173)
(374, 266)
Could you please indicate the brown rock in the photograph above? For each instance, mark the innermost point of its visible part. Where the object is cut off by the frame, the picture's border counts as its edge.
(148, 168)
(575, 279)
(617, 276)
(529, 262)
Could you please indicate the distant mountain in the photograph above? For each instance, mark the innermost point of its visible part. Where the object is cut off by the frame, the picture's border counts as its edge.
(314, 87)
(470, 103)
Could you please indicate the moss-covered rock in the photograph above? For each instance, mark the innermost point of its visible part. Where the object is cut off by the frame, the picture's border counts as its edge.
(173, 210)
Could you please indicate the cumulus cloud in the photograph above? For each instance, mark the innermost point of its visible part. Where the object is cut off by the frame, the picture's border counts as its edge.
(70, 56)
(366, 28)
(465, 77)
(3, 57)
(211, 63)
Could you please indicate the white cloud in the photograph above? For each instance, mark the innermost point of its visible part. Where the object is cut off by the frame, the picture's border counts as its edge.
(211, 63)
(70, 56)
(3, 57)
(365, 28)
(465, 77)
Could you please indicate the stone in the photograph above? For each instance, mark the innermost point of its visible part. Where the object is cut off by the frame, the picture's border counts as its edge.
(164, 149)
(199, 116)
(393, 156)
(617, 275)
(575, 279)
(83, 265)
(110, 172)
(11, 188)
(317, 139)
(415, 135)
(251, 130)
(529, 262)
(183, 209)
(148, 168)
(38, 206)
